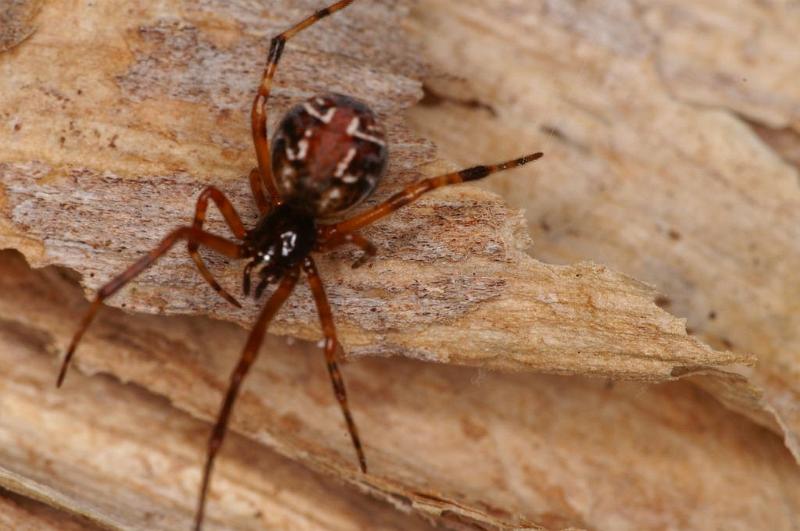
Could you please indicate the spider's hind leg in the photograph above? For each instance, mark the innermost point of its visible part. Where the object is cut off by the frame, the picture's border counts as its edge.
(257, 189)
(258, 113)
(365, 245)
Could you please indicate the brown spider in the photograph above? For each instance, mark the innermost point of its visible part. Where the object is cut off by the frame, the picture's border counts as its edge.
(329, 155)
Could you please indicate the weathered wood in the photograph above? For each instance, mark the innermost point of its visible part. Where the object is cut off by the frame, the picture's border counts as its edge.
(117, 117)
(23, 514)
(122, 458)
(466, 446)
(110, 150)
(651, 168)
(17, 21)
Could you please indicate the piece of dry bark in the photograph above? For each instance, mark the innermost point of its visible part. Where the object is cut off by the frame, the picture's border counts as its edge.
(472, 447)
(648, 168)
(17, 21)
(114, 146)
(123, 459)
(24, 514)
(110, 150)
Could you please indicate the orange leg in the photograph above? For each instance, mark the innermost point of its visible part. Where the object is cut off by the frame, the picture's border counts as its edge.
(258, 115)
(356, 239)
(249, 355)
(413, 192)
(262, 202)
(221, 245)
(235, 224)
(331, 345)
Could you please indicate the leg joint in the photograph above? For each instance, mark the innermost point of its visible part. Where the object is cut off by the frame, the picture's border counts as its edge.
(276, 48)
(473, 174)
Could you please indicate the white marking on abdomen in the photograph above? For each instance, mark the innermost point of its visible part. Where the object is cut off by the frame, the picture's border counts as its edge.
(300, 154)
(369, 138)
(352, 130)
(324, 118)
(345, 163)
(352, 127)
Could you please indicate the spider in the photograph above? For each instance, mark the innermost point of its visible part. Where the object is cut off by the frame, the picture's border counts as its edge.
(328, 155)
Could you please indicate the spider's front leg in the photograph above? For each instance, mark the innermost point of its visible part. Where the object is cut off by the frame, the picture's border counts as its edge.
(258, 114)
(192, 234)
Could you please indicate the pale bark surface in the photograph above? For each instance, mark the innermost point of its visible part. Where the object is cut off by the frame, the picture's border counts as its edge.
(463, 445)
(652, 166)
(109, 151)
(122, 458)
(116, 117)
(23, 514)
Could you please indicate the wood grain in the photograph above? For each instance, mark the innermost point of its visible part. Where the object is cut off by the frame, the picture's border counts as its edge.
(110, 151)
(141, 107)
(24, 514)
(646, 111)
(468, 447)
(119, 457)
(17, 21)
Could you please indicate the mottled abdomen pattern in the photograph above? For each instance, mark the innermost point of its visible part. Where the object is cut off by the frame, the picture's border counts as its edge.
(329, 151)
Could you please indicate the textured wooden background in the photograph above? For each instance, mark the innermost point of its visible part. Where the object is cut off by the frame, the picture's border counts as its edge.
(670, 133)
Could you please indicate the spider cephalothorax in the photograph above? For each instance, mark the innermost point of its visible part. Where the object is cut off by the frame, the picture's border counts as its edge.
(328, 155)
(279, 242)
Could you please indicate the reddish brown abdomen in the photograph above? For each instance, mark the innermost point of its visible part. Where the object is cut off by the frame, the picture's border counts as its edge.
(329, 151)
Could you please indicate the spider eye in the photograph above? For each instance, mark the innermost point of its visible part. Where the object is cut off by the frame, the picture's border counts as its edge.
(266, 257)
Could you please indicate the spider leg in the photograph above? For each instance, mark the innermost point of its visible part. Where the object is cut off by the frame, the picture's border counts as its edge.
(249, 355)
(221, 245)
(258, 115)
(413, 192)
(331, 344)
(235, 224)
(262, 202)
(356, 239)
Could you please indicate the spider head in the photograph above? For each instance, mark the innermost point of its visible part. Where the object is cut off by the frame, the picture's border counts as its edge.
(279, 242)
(268, 273)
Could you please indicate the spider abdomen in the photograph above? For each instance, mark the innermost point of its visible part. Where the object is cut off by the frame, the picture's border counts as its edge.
(330, 151)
